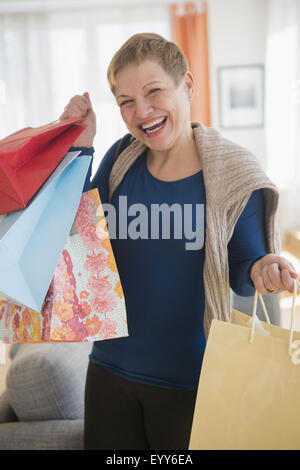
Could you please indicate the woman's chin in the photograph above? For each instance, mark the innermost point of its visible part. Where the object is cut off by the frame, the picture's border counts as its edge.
(159, 143)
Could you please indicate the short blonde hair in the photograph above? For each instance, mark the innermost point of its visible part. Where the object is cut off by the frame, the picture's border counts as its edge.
(142, 46)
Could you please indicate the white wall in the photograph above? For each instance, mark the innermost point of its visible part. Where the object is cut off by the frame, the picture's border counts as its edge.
(237, 36)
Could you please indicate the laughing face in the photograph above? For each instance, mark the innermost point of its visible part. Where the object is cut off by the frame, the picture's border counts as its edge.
(155, 110)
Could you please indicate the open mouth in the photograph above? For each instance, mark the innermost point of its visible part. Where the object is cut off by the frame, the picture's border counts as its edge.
(153, 128)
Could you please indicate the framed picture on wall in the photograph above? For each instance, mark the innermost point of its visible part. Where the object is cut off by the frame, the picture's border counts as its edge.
(241, 96)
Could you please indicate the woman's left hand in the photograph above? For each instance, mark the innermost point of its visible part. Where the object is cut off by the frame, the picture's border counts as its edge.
(273, 274)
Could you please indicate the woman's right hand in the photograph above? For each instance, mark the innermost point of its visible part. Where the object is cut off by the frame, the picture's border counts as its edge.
(81, 106)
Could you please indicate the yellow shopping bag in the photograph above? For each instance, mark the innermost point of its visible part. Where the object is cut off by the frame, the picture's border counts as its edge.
(249, 389)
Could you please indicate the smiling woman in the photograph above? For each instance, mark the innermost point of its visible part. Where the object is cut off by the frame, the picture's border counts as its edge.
(141, 390)
(159, 116)
(163, 85)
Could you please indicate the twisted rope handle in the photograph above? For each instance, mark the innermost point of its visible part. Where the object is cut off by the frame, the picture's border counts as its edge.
(292, 345)
(257, 294)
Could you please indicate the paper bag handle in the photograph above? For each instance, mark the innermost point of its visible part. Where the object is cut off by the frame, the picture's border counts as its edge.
(292, 345)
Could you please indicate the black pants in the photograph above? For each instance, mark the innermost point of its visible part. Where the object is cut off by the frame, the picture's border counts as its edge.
(126, 415)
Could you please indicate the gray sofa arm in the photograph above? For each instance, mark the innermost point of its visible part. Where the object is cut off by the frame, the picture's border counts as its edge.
(7, 414)
(47, 381)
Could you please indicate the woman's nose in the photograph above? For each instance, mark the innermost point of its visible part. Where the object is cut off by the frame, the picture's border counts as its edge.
(143, 108)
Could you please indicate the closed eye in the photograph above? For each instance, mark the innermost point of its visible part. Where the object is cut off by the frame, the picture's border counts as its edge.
(153, 90)
(126, 102)
(131, 101)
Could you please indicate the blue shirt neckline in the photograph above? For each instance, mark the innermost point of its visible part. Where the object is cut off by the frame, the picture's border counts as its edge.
(144, 156)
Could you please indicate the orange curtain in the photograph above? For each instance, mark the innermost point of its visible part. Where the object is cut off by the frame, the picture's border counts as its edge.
(189, 32)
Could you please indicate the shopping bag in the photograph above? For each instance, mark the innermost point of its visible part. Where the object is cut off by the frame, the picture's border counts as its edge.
(29, 156)
(249, 389)
(85, 301)
(32, 239)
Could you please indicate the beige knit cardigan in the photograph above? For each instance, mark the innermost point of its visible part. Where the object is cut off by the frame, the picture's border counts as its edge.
(230, 175)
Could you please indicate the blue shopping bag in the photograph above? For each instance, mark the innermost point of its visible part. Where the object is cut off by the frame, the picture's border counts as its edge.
(32, 239)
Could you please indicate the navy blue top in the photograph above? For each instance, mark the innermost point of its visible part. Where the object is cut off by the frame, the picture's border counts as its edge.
(163, 281)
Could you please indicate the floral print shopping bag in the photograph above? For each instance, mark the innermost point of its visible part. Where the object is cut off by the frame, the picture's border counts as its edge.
(85, 300)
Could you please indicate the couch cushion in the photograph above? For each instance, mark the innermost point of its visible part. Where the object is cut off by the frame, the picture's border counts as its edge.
(42, 435)
(47, 381)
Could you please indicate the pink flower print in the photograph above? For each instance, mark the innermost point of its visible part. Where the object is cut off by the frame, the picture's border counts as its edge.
(80, 310)
(63, 310)
(69, 264)
(63, 333)
(99, 286)
(105, 304)
(89, 237)
(61, 265)
(79, 330)
(93, 284)
(61, 278)
(25, 336)
(26, 318)
(85, 214)
(8, 314)
(50, 292)
(95, 264)
(87, 204)
(16, 321)
(2, 305)
(68, 293)
(101, 232)
(85, 306)
(93, 325)
(84, 294)
(108, 329)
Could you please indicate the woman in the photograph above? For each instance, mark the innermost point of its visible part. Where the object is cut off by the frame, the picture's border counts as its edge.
(141, 390)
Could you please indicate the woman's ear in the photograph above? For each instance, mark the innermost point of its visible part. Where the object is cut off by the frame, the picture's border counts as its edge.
(189, 85)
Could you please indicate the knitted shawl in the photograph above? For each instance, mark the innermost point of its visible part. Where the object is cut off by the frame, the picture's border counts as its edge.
(231, 173)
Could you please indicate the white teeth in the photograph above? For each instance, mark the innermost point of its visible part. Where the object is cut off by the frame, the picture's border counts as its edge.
(148, 131)
(152, 123)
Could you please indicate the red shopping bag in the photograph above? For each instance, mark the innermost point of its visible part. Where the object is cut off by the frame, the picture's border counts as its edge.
(29, 156)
